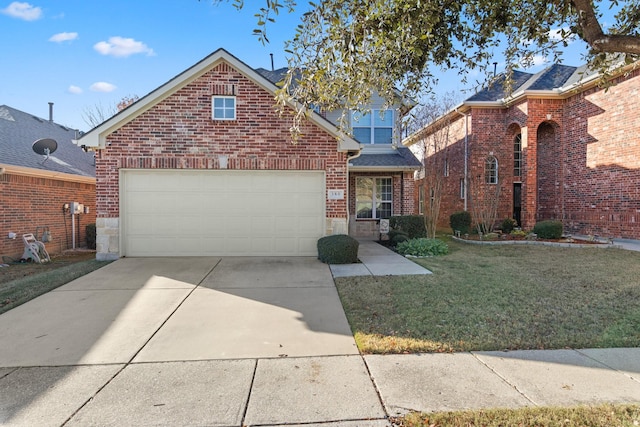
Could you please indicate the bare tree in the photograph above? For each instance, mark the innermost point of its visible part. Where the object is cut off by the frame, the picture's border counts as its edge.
(97, 114)
(433, 148)
(484, 201)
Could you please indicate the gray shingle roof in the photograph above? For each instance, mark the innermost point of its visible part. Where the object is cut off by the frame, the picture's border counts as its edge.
(401, 157)
(275, 76)
(555, 77)
(18, 132)
(498, 91)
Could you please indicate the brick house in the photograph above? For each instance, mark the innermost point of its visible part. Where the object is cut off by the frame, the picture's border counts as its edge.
(34, 188)
(204, 165)
(558, 147)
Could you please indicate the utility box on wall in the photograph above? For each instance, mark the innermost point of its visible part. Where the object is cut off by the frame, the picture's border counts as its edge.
(76, 208)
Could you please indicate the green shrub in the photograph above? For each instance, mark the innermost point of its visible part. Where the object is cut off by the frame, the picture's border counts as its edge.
(90, 235)
(397, 236)
(338, 249)
(423, 247)
(518, 233)
(460, 221)
(508, 224)
(412, 225)
(548, 229)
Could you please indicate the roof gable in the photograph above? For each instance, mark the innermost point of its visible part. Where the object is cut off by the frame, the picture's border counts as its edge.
(96, 138)
(18, 132)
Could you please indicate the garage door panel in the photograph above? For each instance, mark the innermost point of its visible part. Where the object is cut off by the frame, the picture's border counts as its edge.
(188, 212)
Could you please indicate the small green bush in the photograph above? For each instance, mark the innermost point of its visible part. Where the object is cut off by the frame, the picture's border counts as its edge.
(508, 224)
(460, 221)
(338, 249)
(397, 236)
(518, 233)
(550, 229)
(423, 247)
(412, 225)
(90, 235)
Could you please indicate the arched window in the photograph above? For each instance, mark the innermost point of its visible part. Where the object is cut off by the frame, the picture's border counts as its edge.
(517, 155)
(491, 170)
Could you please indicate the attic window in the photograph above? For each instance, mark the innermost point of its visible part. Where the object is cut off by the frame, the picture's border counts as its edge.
(223, 107)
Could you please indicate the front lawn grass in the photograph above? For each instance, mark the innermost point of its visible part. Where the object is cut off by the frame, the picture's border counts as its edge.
(500, 298)
(586, 416)
(19, 291)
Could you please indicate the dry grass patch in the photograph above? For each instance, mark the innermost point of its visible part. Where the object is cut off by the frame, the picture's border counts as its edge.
(585, 416)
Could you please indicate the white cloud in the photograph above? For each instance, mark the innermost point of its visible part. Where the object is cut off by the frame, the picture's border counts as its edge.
(74, 90)
(24, 11)
(63, 37)
(533, 61)
(122, 47)
(556, 35)
(102, 87)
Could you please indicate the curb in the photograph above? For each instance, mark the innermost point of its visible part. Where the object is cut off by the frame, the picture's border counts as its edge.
(538, 243)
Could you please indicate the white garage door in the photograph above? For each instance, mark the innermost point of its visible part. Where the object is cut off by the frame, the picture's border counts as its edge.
(221, 213)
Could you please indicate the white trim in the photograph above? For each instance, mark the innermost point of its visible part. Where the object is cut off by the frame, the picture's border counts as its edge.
(61, 176)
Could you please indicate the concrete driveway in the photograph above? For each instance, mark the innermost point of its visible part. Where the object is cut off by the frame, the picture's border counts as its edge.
(185, 341)
(177, 309)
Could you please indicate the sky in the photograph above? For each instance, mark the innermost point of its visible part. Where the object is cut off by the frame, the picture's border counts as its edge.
(84, 55)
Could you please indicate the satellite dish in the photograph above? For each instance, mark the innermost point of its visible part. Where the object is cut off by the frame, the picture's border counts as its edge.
(45, 146)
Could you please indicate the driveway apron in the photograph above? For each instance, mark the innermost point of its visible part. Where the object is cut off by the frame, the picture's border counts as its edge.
(176, 309)
(255, 308)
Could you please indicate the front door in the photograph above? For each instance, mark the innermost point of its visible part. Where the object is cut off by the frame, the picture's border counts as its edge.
(517, 202)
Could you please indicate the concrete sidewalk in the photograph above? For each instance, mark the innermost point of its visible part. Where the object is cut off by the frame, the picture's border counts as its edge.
(345, 391)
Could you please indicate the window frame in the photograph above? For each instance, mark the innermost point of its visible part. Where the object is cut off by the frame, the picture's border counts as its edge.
(373, 117)
(375, 199)
(491, 170)
(421, 200)
(224, 108)
(517, 155)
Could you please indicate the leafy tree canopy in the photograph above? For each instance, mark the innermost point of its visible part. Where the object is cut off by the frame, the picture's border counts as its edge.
(344, 49)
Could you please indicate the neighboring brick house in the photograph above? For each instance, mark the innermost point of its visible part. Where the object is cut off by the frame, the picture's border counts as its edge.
(34, 189)
(558, 147)
(204, 165)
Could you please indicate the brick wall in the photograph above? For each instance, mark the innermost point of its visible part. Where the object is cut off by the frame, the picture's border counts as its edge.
(28, 202)
(602, 161)
(178, 133)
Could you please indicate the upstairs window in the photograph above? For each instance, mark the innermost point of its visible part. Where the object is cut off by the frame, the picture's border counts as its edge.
(491, 170)
(223, 108)
(517, 155)
(375, 127)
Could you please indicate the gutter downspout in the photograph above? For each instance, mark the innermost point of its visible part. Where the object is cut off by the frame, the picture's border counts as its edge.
(466, 157)
(349, 158)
